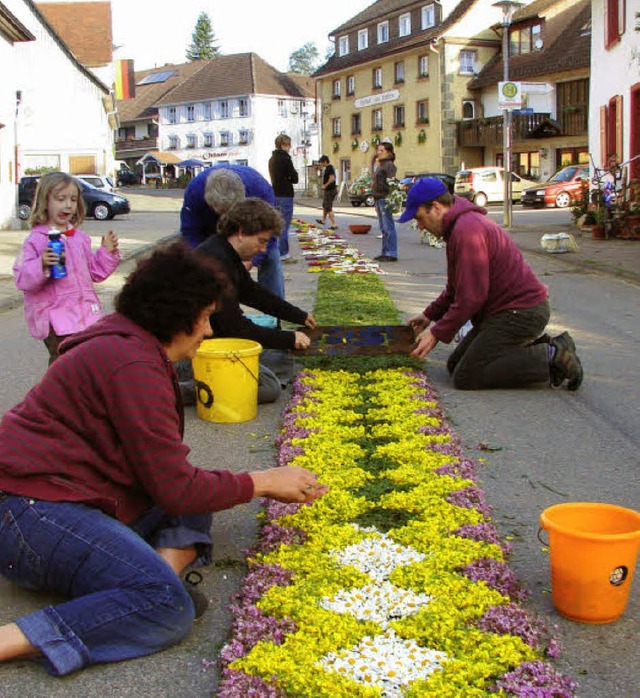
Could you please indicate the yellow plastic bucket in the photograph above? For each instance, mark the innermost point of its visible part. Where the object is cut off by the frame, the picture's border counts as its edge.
(226, 375)
(593, 549)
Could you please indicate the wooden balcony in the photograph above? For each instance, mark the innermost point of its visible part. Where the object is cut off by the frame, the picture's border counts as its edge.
(488, 132)
(144, 144)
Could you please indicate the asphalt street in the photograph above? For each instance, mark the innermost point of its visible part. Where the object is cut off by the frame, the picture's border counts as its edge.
(538, 447)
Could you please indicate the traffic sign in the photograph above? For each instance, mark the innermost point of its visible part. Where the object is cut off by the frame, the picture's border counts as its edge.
(509, 95)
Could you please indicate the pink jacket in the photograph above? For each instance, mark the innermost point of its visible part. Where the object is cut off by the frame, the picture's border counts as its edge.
(67, 305)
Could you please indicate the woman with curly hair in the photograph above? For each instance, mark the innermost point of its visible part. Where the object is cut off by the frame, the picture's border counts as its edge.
(98, 501)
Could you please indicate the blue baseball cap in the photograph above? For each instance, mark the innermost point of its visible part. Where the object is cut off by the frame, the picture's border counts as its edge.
(422, 192)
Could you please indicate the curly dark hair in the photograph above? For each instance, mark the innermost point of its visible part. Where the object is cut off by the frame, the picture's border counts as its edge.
(168, 291)
(252, 216)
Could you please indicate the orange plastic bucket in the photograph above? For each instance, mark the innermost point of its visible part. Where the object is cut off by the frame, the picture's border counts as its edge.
(593, 551)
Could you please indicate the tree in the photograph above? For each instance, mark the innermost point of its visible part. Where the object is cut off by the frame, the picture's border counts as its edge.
(203, 42)
(304, 60)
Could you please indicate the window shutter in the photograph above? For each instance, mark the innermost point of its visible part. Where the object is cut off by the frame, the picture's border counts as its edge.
(603, 136)
(619, 124)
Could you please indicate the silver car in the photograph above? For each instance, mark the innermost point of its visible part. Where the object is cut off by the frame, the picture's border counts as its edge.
(484, 185)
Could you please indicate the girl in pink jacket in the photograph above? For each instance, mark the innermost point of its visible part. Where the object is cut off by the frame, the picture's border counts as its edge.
(57, 307)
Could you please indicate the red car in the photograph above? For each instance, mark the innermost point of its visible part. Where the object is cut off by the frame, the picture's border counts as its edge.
(560, 191)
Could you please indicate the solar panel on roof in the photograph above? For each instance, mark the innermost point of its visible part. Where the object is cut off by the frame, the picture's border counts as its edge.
(157, 77)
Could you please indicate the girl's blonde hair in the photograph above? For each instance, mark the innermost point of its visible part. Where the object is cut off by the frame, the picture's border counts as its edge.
(47, 183)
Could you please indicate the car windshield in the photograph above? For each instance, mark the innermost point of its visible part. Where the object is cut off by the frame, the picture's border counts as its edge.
(565, 175)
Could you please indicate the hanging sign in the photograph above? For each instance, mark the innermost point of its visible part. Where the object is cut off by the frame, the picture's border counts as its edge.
(509, 95)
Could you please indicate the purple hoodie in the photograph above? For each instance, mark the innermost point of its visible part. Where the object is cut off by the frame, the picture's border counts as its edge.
(486, 272)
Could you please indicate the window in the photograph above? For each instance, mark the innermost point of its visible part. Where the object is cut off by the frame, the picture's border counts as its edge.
(363, 39)
(398, 116)
(243, 106)
(223, 109)
(173, 143)
(525, 40)
(468, 109)
(243, 137)
(614, 21)
(398, 72)
(377, 78)
(467, 62)
(428, 16)
(343, 45)
(422, 111)
(335, 89)
(355, 124)
(282, 107)
(225, 138)
(572, 106)
(191, 112)
(404, 24)
(336, 127)
(206, 111)
(383, 32)
(423, 66)
(208, 140)
(376, 120)
(172, 115)
(192, 141)
(351, 85)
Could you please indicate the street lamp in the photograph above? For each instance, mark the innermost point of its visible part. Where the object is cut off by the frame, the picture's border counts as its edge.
(508, 7)
(304, 146)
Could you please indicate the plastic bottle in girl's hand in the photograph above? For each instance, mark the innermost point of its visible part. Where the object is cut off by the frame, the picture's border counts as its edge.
(59, 270)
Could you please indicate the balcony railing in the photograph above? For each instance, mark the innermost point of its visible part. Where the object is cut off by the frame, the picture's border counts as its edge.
(488, 132)
(136, 144)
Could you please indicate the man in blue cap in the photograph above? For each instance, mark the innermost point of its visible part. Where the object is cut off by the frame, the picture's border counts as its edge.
(489, 284)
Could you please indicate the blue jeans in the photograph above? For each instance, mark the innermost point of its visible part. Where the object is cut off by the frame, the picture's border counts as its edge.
(387, 228)
(284, 204)
(270, 272)
(124, 599)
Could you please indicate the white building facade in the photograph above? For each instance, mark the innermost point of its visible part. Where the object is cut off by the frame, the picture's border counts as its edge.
(56, 113)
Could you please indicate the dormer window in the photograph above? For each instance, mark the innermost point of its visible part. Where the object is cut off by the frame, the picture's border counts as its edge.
(383, 32)
(404, 24)
(525, 40)
(363, 39)
(343, 45)
(428, 16)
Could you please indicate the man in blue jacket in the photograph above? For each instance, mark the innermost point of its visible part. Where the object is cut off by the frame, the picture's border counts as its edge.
(212, 193)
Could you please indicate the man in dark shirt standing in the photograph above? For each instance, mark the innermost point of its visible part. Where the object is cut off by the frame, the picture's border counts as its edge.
(283, 177)
(489, 283)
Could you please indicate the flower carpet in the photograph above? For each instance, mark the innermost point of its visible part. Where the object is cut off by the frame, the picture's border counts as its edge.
(393, 584)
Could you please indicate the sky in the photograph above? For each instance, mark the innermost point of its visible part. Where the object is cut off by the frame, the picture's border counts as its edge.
(153, 33)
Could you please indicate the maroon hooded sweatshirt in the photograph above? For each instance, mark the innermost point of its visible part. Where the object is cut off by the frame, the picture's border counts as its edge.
(104, 427)
(486, 272)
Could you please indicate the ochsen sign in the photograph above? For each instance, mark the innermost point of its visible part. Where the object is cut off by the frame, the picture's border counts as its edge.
(377, 99)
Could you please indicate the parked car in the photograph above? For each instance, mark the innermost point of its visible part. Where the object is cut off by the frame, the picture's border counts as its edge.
(26, 191)
(560, 191)
(97, 181)
(484, 185)
(102, 205)
(360, 191)
(127, 177)
(407, 182)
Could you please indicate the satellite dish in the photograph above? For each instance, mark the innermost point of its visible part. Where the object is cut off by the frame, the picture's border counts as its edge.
(538, 44)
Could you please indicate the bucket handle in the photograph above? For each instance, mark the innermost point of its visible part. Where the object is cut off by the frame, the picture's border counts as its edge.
(544, 542)
(235, 357)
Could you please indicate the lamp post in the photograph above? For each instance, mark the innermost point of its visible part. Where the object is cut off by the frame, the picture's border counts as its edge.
(508, 7)
(304, 147)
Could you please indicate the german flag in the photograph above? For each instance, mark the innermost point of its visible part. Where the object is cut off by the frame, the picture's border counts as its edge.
(125, 79)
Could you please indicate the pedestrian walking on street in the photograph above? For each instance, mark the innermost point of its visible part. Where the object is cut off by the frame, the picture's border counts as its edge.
(283, 176)
(98, 501)
(212, 193)
(385, 170)
(329, 192)
(490, 284)
(57, 305)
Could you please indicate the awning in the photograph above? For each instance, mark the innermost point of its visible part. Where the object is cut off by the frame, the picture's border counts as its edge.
(161, 157)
